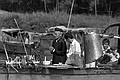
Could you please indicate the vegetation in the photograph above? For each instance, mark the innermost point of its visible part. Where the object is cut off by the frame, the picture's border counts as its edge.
(80, 6)
(39, 21)
(37, 15)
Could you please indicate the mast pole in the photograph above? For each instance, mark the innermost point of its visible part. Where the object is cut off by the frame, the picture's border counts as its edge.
(45, 6)
(95, 7)
(70, 13)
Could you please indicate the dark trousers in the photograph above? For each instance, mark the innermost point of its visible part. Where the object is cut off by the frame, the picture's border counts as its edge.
(104, 59)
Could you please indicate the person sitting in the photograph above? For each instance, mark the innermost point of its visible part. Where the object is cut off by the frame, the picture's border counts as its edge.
(106, 57)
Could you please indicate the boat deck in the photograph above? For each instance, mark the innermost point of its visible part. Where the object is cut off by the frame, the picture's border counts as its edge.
(65, 70)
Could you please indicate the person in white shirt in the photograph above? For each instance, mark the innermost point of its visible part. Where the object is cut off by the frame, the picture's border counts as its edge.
(74, 51)
(74, 48)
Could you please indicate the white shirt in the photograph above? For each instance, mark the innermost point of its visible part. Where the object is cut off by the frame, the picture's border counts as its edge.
(105, 50)
(114, 57)
(26, 41)
(74, 48)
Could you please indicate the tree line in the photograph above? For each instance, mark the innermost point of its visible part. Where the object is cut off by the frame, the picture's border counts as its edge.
(80, 6)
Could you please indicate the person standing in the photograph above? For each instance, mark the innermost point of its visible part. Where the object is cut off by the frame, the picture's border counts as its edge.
(58, 48)
(74, 51)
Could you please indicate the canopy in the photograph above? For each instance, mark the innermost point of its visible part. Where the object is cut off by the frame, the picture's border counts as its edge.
(11, 32)
(97, 30)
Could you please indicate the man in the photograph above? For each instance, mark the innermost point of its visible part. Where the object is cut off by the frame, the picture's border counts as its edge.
(74, 51)
(58, 48)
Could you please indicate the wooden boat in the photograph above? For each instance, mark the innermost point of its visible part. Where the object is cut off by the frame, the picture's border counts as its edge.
(63, 73)
(27, 67)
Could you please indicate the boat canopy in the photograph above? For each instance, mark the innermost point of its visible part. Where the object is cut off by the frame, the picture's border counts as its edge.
(97, 30)
(11, 32)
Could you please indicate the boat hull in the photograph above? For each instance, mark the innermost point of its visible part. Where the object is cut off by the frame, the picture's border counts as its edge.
(64, 74)
(58, 77)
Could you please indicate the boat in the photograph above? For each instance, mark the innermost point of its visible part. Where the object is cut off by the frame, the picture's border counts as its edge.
(29, 66)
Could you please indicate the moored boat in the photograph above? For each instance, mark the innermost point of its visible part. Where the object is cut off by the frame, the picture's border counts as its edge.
(27, 67)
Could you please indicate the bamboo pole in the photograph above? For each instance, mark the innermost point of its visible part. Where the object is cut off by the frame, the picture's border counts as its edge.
(70, 13)
(45, 6)
(96, 7)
